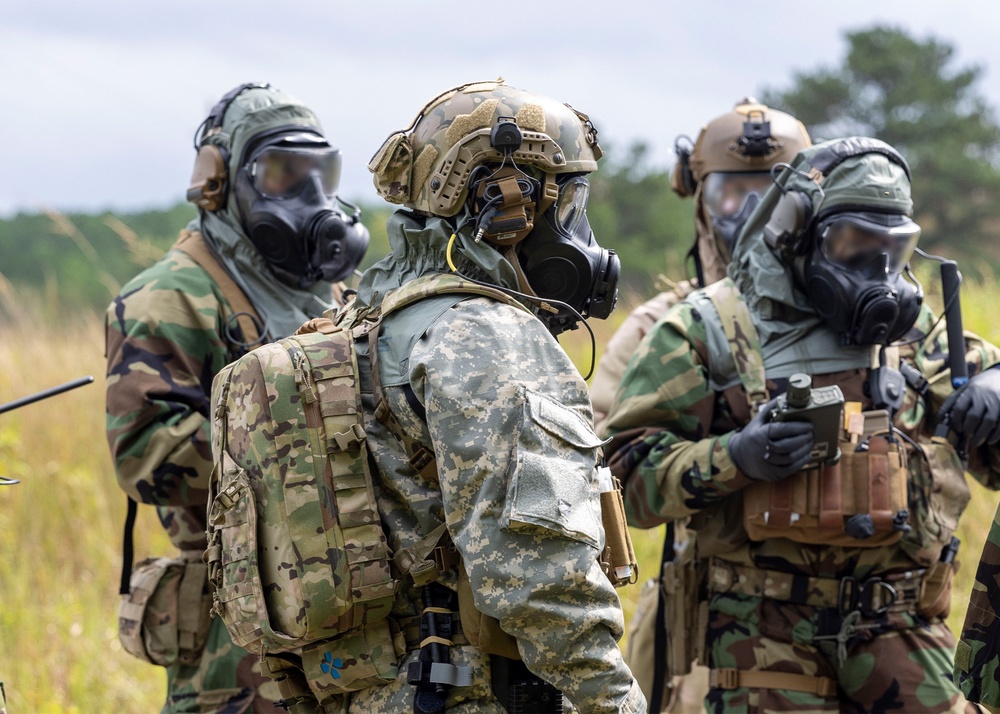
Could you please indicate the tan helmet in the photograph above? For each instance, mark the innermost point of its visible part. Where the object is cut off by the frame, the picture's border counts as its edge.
(752, 137)
(427, 166)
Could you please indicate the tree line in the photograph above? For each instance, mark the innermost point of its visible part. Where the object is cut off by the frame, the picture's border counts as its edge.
(905, 90)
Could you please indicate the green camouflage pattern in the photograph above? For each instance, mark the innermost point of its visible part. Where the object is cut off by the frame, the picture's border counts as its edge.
(622, 345)
(672, 419)
(428, 168)
(899, 664)
(297, 550)
(672, 429)
(164, 345)
(977, 657)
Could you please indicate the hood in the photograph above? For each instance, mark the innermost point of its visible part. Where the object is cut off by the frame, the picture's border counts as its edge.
(787, 324)
(255, 114)
(419, 246)
(866, 181)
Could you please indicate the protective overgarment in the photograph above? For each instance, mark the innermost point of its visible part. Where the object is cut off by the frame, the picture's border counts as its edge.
(778, 606)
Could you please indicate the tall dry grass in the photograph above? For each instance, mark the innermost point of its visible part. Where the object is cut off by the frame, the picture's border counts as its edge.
(61, 526)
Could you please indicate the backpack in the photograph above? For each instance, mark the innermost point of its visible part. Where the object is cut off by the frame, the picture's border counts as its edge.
(297, 552)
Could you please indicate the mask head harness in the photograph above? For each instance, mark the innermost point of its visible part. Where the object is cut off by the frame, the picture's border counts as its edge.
(862, 296)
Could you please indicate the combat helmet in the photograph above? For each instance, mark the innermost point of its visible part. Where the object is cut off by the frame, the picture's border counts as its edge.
(751, 137)
(427, 166)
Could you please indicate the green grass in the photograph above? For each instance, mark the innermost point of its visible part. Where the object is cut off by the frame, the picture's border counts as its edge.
(61, 525)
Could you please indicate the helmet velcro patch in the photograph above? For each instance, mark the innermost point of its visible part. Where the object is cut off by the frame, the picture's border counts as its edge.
(465, 124)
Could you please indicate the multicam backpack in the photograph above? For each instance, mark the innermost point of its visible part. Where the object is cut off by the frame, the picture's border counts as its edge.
(297, 552)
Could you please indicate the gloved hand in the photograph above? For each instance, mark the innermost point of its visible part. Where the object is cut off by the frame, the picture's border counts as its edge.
(771, 451)
(974, 410)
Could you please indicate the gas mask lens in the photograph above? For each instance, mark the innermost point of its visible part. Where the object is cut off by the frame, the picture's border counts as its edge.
(854, 240)
(571, 206)
(726, 193)
(280, 172)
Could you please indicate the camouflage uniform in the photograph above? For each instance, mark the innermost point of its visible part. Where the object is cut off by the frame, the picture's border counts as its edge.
(169, 331)
(488, 391)
(717, 151)
(673, 419)
(164, 345)
(977, 658)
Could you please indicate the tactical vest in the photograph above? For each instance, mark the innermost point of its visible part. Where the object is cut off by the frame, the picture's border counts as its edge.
(297, 551)
(876, 476)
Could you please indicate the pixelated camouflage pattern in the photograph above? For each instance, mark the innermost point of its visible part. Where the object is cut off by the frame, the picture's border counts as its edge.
(508, 421)
(977, 657)
(164, 345)
(422, 169)
(303, 557)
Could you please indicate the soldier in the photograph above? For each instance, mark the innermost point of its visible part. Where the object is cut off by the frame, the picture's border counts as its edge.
(824, 583)
(727, 171)
(483, 423)
(258, 262)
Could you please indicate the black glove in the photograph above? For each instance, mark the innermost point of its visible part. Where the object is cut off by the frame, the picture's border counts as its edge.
(771, 451)
(974, 410)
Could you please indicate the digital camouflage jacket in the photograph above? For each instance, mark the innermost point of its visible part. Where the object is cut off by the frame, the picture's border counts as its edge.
(488, 391)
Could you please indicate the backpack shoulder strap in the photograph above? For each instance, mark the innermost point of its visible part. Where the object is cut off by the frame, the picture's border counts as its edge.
(192, 243)
(443, 284)
(744, 342)
(421, 459)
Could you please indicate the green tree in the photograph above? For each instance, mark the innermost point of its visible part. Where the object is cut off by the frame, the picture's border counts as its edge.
(909, 93)
(634, 212)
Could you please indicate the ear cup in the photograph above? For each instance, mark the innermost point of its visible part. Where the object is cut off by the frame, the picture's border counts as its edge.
(682, 179)
(789, 218)
(208, 180)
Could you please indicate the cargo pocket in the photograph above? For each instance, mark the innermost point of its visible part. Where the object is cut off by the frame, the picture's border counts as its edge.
(165, 617)
(236, 574)
(552, 482)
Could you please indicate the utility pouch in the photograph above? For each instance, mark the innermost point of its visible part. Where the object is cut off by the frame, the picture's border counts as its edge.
(859, 502)
(166, 616)
(681, 581)
(363, 657)
(618, 559)
(935, 591)
(482, 631)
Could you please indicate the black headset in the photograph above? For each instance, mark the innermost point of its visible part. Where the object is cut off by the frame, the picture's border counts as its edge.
(211, 164)
(683, 148)
(793, 213)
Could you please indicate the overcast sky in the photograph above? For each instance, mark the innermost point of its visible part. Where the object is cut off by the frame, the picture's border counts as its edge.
(100, 100)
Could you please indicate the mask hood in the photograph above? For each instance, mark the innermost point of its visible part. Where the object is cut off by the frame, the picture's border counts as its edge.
(254, 115)
(419, 245)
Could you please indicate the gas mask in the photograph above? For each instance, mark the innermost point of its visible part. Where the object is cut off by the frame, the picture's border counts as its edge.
(562, 261)
(730, 198)
(284, 192)
(854, 276)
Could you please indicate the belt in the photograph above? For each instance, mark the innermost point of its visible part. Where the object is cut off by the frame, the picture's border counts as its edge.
(872, 597)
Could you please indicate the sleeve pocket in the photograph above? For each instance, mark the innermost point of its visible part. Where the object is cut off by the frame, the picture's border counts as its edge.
(552, 482)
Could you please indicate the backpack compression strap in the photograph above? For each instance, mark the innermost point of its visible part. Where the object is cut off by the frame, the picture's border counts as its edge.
(744, 342)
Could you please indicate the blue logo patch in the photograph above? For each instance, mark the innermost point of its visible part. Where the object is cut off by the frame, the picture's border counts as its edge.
(329, 665)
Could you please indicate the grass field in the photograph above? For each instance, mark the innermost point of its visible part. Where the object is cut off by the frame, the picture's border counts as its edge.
(61, 526)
